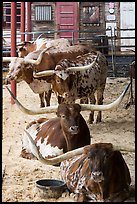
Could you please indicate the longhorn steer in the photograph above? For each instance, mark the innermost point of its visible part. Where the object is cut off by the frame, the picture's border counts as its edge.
(74, 82)
(58, 135)
(23, 68)
(84, 107)
(99, 174)
(24, 48)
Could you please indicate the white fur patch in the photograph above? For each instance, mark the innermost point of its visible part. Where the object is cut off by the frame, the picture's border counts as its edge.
(44, 148)
(47, 149)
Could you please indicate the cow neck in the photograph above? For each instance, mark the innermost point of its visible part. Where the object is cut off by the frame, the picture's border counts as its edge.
(28, 74)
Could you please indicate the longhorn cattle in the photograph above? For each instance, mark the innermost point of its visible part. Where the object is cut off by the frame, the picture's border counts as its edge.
(97, 171)
(24, 48)
(84, 107)
(74, 82)
(99, 174)
(23, 68)
(58, 135)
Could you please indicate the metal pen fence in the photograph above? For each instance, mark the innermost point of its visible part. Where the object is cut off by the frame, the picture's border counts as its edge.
(107, 41)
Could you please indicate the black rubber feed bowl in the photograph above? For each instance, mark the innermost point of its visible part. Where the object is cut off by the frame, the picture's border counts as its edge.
(50, 188)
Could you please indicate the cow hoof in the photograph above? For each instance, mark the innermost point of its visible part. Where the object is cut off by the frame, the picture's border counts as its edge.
(98, 120)
(42, 105)
(26, 155)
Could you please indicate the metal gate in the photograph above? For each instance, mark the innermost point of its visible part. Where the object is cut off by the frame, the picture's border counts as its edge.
(119, 61)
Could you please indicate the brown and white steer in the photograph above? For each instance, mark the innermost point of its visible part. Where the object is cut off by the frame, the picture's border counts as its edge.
(84, 107)
(72, 80)
(95, 172)
(24, 48)
(23, 68)
(58, 135)
(100, 174)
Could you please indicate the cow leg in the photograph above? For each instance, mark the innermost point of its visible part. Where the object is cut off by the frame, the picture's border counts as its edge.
(99, 101)
(60, 99)
(91, 116)
(47, 97)
(27, 155)
(79, 197)
(119, 197)
(41, 96)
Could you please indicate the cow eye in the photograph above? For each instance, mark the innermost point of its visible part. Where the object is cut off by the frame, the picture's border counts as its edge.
(57, 81)
(63, 116)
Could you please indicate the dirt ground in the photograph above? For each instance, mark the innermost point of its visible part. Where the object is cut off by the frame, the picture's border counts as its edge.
(20, 175)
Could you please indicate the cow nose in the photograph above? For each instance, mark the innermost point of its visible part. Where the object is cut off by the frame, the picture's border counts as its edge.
(74, 129)
(97, 176)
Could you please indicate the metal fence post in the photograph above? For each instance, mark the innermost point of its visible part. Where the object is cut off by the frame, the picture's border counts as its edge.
(13, 43)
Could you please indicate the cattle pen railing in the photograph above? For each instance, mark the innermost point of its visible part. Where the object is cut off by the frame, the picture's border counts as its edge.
(108, 41)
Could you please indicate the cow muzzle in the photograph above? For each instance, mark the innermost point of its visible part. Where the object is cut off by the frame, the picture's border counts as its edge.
(97, 176)
(9, 77)
(74, 130)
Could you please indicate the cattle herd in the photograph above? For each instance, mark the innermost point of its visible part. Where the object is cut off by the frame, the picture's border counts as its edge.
(93, 172)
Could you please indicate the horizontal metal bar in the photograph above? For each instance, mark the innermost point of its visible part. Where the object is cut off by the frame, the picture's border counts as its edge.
(125, 46)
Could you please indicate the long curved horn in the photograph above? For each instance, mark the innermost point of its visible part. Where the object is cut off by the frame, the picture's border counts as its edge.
(51, 72)
(83, 68)
(123, 148)
(36, 62)
(48, 109)
(54, 160)
(8, 59)
(84, 107)
(106, 107)
(67, 155)
(43, 73)
(39, 36)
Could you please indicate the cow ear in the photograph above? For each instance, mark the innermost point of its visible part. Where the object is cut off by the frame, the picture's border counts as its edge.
(87, 149)
(22, 49)
(78, 107)
(60, 108)
(57, 113)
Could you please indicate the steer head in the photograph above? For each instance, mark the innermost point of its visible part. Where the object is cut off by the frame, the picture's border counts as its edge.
(62, 83)
(15, 70)
(108, 168)
(19, 70)
(70, 119)
(98, 156)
